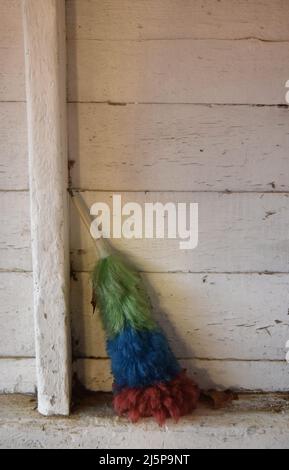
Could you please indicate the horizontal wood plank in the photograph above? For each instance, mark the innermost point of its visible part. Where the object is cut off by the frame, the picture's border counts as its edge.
(15, 245)
(12, 75)
(237, 233)
(237, 375)
(16, 315)
(11, 31)
(202, 316)
(178, 147)
(189, 71)
(17, 376)
(175, 19)
(13, 147)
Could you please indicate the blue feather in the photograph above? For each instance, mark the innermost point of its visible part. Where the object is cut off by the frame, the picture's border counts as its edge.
(141, 358)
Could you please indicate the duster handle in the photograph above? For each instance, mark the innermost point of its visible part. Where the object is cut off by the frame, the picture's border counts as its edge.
(101, 245)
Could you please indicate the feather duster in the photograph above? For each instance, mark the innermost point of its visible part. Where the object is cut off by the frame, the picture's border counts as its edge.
(148, 380)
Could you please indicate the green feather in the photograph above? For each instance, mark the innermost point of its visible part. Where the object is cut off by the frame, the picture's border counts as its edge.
(121, 296)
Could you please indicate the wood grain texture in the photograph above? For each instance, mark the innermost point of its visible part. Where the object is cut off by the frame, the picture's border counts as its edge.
(237, 233)
(45, 52)
(237, 375)
(156, 55)
(16, 315)
(203, 316)
(175, 19)
(189, 71)
(16, 312)
(12, 76)
(11, 31)
(178, 147)
(15, 243)
(17, 376)
(13, 147)
(255, 421)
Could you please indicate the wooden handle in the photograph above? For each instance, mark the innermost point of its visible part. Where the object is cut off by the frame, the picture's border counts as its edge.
(101, 245)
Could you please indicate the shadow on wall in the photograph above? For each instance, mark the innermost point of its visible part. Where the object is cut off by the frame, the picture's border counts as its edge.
(185, 349)
(89, 337)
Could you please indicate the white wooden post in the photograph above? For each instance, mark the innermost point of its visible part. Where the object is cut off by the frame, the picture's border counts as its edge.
(44, 28)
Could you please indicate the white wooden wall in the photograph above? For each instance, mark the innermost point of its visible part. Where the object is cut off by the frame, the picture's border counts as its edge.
(184, 100)
(168, 100)
(17, 364)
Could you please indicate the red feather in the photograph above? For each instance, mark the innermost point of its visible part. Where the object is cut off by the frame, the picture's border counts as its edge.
(162, 401)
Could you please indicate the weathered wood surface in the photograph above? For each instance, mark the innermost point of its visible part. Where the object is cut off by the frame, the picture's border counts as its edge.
(189, 71)
(12, 77)
(16, 315)
(11, 31)
(183, 52)
(178, 147)
(13, 147)
(237, 233)
(177, 19)
(17, 375)
(254, 422)
(204, 316)
(45, 52)
(15, 243)
(237, 375)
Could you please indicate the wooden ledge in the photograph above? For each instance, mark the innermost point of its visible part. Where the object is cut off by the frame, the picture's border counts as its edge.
(255, 421)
